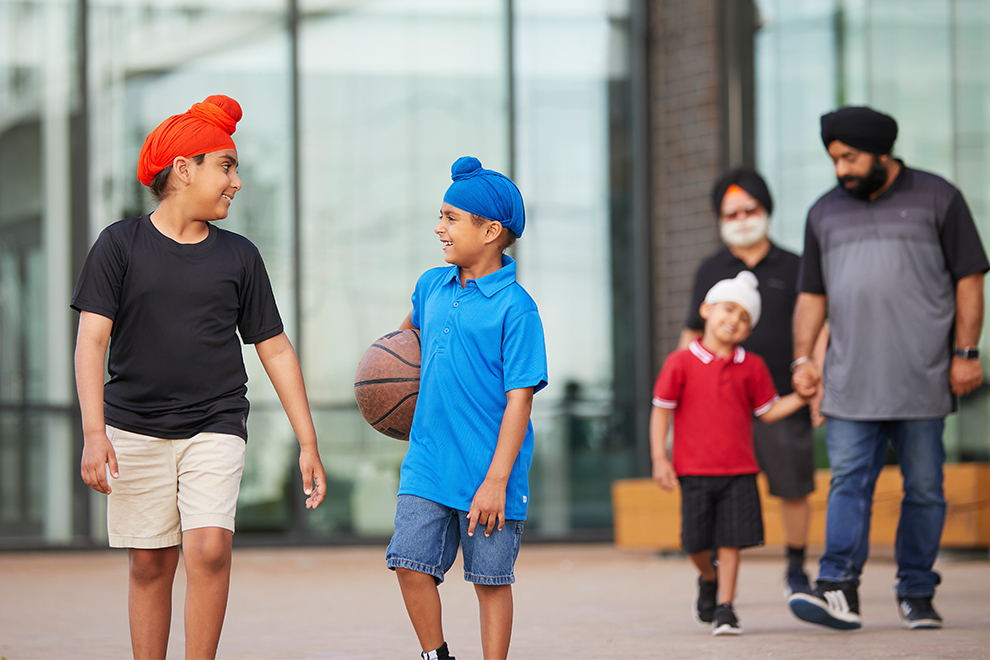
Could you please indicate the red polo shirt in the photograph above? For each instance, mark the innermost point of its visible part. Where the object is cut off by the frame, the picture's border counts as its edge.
(714, 400)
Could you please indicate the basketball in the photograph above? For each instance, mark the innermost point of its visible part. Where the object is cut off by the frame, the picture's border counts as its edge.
(387, 383)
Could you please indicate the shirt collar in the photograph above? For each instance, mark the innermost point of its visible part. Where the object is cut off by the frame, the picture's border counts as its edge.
(491, 283)
(706, 357)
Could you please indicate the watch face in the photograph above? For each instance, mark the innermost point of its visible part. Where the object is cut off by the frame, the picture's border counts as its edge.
(968, 353)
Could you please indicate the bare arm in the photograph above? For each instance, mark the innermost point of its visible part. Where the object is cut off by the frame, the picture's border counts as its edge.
(92, 340)
(809, 316)
(688, 335)
(663, 470)
(966, 375)
(407, 323)
(282, 367)
(488, 505)
(785, 406)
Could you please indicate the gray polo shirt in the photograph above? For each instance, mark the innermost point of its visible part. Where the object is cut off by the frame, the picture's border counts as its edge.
(889, 269)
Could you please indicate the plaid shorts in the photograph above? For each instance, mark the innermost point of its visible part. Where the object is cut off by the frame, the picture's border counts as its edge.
(720, 512)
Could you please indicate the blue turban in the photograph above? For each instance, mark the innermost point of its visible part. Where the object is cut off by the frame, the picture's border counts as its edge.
(485, 193)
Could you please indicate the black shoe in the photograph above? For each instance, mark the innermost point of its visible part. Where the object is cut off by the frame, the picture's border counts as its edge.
(832, 604)
(704, 607)
(917, 613)
(725, 622)
(796, 582)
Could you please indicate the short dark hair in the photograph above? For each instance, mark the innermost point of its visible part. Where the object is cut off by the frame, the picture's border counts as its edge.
(508, 236)
(159, 185)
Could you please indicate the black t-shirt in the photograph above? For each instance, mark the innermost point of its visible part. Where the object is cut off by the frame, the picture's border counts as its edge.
(772, 338)
(175, 361)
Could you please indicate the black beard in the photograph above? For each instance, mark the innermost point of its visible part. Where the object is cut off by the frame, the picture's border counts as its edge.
(866, 185)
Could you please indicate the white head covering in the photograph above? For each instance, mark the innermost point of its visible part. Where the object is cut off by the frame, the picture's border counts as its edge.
(741, 290)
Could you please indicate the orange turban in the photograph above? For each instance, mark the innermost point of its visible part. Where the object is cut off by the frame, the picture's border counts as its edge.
(205, 127)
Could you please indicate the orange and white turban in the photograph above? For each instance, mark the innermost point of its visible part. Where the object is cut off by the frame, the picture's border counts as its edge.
(205, 127)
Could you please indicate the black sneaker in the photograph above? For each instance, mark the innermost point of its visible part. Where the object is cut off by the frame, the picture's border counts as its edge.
(918, 613)
(725, 622)
(704, 607)
(832, 604)
(796, 582)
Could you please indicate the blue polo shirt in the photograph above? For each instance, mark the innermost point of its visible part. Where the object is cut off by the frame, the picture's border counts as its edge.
(479, 342)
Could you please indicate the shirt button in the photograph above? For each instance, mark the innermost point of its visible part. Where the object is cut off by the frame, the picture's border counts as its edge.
(446, 330)
(456, 304)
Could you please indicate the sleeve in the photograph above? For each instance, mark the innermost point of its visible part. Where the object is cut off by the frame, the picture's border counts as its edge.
(101, 279)
(762, 393)
(964, 254)
(524, 352)
(694, 320)
(670, 383)
(417, 304)
(258, 318)
(810, 278)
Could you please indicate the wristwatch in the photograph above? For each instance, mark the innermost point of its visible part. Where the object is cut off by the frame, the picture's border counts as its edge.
(968, 353)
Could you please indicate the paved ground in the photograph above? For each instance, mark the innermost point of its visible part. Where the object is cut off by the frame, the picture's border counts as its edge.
(572, 601)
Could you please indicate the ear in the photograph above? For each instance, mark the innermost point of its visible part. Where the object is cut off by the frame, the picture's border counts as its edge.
(182, 169)
(493, 231)
(705, 310)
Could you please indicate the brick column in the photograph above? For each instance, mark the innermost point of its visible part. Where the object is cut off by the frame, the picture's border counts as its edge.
(686, 138)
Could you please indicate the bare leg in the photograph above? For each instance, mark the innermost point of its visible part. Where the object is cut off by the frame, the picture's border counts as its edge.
(703, 560)
(149, 599)
(495, 604)
(206, 554)
(422, 599)
(728, 571)
(796, 517)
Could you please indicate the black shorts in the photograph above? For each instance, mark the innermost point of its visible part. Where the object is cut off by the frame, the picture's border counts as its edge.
(786, 453)
(720, 512)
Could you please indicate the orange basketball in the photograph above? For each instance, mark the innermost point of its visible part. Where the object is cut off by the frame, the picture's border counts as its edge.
(387, 383)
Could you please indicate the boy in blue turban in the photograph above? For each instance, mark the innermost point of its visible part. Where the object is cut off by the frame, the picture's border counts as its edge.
(471, 443)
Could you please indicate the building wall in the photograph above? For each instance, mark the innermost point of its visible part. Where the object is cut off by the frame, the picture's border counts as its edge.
(685, 153)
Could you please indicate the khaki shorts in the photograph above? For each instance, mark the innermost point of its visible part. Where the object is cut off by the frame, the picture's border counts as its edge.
(169, 486)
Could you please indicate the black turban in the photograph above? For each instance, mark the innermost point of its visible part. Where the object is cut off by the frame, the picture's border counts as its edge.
(861, 128)
(749, 180)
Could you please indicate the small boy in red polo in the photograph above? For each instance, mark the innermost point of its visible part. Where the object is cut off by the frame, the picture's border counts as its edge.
(712, 389)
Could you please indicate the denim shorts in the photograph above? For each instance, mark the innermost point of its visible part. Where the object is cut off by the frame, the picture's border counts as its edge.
(427, 535)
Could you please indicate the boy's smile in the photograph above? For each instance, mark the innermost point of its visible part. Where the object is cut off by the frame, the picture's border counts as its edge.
(463, 240)
(727, 324)
(216, 182)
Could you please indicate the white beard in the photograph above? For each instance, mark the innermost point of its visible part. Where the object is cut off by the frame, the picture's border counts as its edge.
(746, 232)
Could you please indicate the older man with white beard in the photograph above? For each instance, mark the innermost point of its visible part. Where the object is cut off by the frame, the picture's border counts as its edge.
(784, 450)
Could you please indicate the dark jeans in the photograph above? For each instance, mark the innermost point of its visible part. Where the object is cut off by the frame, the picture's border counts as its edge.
(856, 451)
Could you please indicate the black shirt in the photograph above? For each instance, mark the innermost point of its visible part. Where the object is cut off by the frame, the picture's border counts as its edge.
(772, 338)
(175, 361)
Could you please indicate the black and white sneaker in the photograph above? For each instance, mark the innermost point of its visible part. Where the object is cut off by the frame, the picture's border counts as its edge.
(917, 613)
(832, 604)
(704, 606)
(725, 621)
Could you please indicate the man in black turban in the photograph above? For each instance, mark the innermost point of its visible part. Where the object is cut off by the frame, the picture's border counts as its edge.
(859, 140)
(893, 260)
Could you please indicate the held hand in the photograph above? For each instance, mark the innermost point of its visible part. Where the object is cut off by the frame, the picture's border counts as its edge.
(487, 507)
(965, 375)
(664, 475)
(314, 478)
(97, 456)
(806, 380)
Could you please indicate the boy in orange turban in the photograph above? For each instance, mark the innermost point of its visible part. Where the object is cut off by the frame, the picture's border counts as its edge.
(172, 291)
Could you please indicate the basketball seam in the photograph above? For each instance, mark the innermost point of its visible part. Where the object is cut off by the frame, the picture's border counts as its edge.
(401, 401)
(397, 356)
(379, 381)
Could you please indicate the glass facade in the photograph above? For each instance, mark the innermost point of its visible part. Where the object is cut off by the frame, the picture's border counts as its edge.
(353, 113)
(922, 62)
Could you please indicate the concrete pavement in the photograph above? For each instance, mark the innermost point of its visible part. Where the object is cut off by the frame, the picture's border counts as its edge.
(571, 601)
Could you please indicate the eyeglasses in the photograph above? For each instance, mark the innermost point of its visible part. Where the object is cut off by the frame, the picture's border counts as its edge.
(740, 213)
